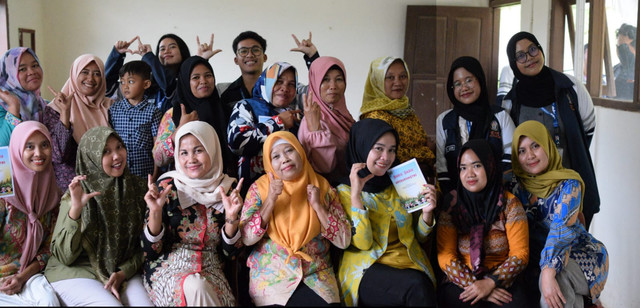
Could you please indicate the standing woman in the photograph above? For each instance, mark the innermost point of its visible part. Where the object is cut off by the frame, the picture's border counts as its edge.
(384, 266)
(570, 261)
(483, 240)
(96, 241)
(184, 238)
(561, 103)
(292, 216)
(324, 129)
(385, 98)
(472, 117)
(27, 219)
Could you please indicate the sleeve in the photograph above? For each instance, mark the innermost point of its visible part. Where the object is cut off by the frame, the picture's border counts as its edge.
(66, 243)
(441, 160)
(250, 219)
(60, 136)
(320, 146)
(163, 146)
(162, 76)
(361, 233)
(422, 230)
(245, 135)
(131, 266)
(112, 67)
(561, 233)
(44, 252)
(517, 231)
(447, 242)
(339, 230)
(7, 123)
(309, 60)
(586, 109)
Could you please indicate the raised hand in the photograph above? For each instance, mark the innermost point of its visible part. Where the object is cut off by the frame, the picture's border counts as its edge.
(155, 200)
(233, 202)
(289, 118)
(357, 183)
(186, 117)
(143, 48)
(13, 102)
(313, 197)
(123, 46)
(275, 187)
(78, 197)
(206, 50)
(305, 46)
(64, 103)
(312, 113)
(429, 192)
(114, 283)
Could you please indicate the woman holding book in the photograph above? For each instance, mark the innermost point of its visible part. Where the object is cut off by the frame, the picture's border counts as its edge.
(483, 240)
(384, 264)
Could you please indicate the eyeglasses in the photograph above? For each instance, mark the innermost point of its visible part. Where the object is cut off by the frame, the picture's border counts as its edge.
(244, 51)
(468, 82)
(532, 51)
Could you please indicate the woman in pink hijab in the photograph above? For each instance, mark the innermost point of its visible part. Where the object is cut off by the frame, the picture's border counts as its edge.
(324, 130)
(27, 219)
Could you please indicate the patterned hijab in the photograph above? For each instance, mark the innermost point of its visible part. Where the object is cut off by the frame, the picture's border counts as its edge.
(294, 222)
(543, 184)
(86, 111)
(112, 221)
(374, 96)
(336, 116)
(31, 103)
(205, 190)
(263, 89)
(36, 193)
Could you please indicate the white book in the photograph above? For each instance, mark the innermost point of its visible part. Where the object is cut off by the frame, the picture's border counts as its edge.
(409, 182)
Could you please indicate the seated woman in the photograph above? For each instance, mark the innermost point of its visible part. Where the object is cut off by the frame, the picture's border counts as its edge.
(483, 240)
(384, 266)
(570, 262)
(196, 99)
(472, 117)
(301, 216)
(385, 98)
(182, 262)
(324, 130)
(95, 251)
(269, 110)
(27, 219)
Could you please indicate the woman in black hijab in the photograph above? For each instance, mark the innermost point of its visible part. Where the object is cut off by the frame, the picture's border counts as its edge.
(483, 239)
(558, 101)
(472, 117)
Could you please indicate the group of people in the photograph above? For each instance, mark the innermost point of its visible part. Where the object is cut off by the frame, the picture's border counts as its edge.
(148, 193)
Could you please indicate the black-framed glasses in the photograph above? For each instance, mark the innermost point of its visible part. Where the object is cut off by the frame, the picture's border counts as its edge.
(532, 51)
(244, 51)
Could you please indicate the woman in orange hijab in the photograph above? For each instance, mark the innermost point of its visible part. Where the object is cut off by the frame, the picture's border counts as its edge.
(293, 216)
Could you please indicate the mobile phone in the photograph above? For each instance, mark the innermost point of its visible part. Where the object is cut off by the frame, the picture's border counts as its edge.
(364, 172)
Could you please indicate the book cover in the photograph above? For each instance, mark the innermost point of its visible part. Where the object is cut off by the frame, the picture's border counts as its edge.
(6, 173)
(409, 182)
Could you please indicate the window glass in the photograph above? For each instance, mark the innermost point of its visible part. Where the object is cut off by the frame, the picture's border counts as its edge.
(621, 29)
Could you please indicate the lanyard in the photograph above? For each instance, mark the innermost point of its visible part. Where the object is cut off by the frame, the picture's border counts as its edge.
(556, 126)
(469, 128)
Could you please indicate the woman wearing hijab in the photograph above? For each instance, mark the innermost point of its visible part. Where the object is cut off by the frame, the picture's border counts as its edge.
(324, 130)
(27, 219)
(21, 77)
(483, 240)
(385, 98)
(96, 241)
(196, 99)
(561, 103)
(570, 262)
(472, 117)
(384, 266)
(269, 110)
(185, 236)
(292, 216)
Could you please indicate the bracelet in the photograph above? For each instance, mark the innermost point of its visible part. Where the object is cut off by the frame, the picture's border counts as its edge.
(231, 221)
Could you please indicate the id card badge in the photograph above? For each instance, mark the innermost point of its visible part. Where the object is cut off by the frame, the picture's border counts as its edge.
(561, 151)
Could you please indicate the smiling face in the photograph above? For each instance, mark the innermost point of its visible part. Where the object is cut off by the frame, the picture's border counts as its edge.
(89, 79)
(133, 86)
(286, 162)
(472, 173)
(37, 152)
(332, 86)
(382, 154)
(250, 63)
(29, 72)
(466, 88)
(114, 157)
(531, 156)
(396, 80)
(193, 157)
(284, 90)
(202, 81)
(169, 52)
(533, 65)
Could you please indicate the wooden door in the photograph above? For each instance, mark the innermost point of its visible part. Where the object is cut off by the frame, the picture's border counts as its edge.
(437, 35)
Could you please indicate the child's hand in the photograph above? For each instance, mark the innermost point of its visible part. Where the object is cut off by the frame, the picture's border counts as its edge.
(206, 50)
(123, 46)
